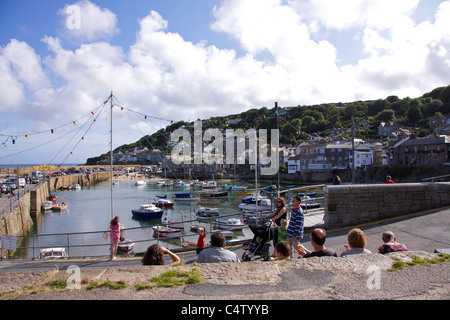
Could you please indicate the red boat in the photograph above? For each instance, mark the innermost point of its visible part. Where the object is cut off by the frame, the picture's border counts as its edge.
(163, 203)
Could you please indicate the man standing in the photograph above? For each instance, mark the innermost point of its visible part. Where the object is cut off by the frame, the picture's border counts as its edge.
(295, 229)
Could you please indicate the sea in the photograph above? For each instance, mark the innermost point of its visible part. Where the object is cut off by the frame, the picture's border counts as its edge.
(89, 215)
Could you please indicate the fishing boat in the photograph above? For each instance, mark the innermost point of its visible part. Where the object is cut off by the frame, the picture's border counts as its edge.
(231, 224)
(53, 253)
(59, 207)
(165, 232)
(163, 203)
(148, 211)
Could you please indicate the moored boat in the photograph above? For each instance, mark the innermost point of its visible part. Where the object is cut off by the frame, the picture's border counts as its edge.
(163, 203)
(231, 224)
(53, 253)
(148, 211)
(165, 232)
(59, 207)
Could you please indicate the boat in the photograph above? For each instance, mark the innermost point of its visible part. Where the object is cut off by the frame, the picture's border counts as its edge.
(194, 228)
(184, 197)
(125, 245)
(228, 234)
(231, 224)
(59, 207)
(308, 203)
(263, 204)
(148, 211)
(209, 185)
(163, 203)
(168, 183)
(208, 202)
(174, 225)
(162, 197)
(180, 184)
(214, 194)
(140, 183)
(76, 186)
(165, 232)
(47, 205)
(208, 210)
(53, 197)
(53, 253)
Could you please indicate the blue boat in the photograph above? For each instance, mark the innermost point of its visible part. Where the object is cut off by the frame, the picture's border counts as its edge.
(148, 211)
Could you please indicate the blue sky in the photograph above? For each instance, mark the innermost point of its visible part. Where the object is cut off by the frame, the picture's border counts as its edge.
(188, 60)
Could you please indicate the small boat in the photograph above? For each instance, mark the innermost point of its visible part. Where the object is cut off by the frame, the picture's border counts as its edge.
(47, 205)
(308, 203)
(148, 211)
(165, 232)
(184, 197)
(168, 183)
(53, 253)
(125, 246)
(53, 197)
(59, 207)
(174, 225)
(208, 210)
(163, 203)
(116, 182)
(209, 185)
(162, 197)
(140, 183)
(194, 228)
(76, 186)
(214, 194)
(180, 184)
(231, 224)
(210, 202)
(264, 204)
(228, 234)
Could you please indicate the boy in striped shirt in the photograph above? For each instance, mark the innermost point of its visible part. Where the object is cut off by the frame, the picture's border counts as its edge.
(295, 229)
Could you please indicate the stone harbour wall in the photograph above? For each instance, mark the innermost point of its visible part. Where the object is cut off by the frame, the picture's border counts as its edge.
(354, 204)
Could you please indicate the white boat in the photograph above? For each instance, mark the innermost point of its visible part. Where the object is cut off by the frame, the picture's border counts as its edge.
(208, 210)
(165, 232)
(47, 205)
(264, 204)
(53, 253)
(125, 246)
(231, 224)
(76, 186)
(168, 183)
(140, 183)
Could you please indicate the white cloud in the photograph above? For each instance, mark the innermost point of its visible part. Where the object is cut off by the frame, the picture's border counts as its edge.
(85, 21)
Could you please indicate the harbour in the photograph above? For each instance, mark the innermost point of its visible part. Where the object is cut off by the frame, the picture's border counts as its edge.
(80, 228)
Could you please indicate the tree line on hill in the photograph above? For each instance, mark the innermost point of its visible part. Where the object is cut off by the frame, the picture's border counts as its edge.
(299, 122)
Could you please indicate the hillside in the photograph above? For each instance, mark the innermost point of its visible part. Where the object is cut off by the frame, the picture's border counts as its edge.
(297, 122)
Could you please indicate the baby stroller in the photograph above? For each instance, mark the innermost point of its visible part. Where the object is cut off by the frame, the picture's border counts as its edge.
(260, 244)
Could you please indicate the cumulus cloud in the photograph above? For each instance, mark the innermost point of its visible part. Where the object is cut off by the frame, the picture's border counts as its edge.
(85, 21)
(286, 57)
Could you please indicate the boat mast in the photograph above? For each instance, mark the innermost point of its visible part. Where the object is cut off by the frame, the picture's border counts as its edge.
(278, 153)
(111, 157)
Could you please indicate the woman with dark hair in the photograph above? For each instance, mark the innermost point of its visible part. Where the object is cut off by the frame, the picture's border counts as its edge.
(278, 215)
(155, 256)
(114, 228)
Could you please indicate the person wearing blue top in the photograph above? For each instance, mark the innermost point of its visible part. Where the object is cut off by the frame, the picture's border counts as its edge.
(295, 229)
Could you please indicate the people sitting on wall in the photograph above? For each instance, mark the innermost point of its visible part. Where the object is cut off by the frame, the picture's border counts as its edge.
(356, 243)
(390, 245)
(318, 237)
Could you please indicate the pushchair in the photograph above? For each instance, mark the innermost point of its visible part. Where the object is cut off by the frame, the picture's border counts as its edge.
(260, 243)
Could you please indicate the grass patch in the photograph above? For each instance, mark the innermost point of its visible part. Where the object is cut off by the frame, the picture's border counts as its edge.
(416, 260)
(115, 285)
(172, 278)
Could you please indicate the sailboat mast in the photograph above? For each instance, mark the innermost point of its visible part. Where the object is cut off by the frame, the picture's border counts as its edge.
(111, 158)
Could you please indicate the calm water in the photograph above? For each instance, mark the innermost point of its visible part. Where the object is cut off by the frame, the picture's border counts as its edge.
(90, 211)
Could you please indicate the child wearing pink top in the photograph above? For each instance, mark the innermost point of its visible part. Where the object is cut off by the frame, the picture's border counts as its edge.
(114, 229)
